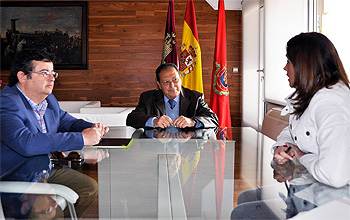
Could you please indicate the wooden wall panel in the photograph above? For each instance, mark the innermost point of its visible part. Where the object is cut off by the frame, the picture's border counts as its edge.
(125, 41)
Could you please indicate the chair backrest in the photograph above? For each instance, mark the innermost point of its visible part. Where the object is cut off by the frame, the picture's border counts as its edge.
(274, 123)
(40, 188)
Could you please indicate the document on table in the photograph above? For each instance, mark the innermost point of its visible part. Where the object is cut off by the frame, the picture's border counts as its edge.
(114, 143)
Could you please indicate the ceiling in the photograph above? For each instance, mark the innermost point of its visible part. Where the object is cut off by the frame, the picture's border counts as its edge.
(229, 4)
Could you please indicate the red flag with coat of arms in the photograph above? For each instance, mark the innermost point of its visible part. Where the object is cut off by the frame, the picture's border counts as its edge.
(219, 95)
(219, 102)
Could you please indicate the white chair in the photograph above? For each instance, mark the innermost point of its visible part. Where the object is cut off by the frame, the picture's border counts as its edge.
(109, 116)
(75, 106)
(40, 188)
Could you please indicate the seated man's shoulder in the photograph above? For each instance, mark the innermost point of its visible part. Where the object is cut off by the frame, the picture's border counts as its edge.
(150, 93)
(8, 93)
(187, 91)
(7, 90)
(10, 101)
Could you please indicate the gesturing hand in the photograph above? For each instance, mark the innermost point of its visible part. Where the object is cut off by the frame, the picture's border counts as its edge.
(94, 134)
(91, 136)
(103, 129)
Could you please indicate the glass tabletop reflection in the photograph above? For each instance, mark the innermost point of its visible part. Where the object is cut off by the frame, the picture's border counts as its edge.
(172, 173)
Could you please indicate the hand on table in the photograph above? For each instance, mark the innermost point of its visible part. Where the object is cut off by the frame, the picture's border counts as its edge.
(94, 134)
(281, 156)
(103, 129)
(162, 122)
(183, 122)
(180, 122)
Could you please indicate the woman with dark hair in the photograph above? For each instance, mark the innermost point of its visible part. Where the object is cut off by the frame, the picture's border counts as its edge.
(319, 123)
(318, 136)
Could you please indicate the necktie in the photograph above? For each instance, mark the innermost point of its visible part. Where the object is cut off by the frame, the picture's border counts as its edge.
(172, 103)
(40, 112)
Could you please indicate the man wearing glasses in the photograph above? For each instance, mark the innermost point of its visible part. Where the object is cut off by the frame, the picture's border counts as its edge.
(32, 123)
(171, 104)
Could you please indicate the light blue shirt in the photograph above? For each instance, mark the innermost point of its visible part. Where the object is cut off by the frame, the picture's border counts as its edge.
(168, 111)
(172, 113)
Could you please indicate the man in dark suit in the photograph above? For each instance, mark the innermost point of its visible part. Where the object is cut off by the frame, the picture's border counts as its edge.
(32, 123)
(171, 104)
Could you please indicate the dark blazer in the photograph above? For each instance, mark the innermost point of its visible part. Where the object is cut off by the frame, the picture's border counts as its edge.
(21, 135)
(192, 105)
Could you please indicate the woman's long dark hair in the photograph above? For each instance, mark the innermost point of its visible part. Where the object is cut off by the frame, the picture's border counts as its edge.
(316, 65)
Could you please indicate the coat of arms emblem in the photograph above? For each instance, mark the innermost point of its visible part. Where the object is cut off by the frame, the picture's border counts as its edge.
(187, 59)
(220, 80)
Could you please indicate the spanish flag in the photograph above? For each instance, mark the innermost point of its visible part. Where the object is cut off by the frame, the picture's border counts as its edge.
(190, 57)
(219, 95)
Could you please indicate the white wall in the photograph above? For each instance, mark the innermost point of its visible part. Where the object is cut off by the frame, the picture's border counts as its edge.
(250, 64)
(334, 26)
(266, 31)
(283, 20)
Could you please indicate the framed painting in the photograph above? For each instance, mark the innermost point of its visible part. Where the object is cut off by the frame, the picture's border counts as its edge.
(59, 28)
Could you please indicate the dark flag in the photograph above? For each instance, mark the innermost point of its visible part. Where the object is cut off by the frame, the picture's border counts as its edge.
(170, 47)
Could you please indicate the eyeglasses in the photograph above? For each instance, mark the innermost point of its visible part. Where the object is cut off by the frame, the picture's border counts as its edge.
(167, 82)
(47, 74)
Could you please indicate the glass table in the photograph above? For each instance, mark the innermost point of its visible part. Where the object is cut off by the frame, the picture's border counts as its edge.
(168, 178)
(184, 174)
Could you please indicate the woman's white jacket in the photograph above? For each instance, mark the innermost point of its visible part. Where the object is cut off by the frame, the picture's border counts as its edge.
(323, 132)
